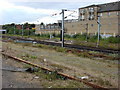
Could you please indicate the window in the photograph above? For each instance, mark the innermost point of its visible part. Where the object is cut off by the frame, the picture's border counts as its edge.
(91, 14)
(91, 10)
(91, 25)
(91, 17)
(82, 15)
(82, 11)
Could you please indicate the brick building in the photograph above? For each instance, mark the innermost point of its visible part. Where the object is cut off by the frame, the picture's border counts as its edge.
(87, 19)
(49, 28)
(18, 26)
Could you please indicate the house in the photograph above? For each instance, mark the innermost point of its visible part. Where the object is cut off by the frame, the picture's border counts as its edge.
(47, 29)
(18, 26)
(88, 19)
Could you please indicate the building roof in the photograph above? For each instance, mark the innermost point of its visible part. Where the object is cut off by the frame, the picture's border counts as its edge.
(89, 6)
(114, 6)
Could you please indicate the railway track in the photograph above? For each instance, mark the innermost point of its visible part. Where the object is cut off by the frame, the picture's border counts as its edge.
(58, 73)
(79, 47)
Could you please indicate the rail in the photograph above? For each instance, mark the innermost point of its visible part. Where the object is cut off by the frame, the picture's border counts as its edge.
(59, 73)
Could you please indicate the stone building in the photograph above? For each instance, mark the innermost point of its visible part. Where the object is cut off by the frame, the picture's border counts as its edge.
(88, 19)
(47, 29)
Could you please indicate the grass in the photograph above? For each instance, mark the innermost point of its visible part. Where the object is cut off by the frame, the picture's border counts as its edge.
(60, 66)
(28, 56)
(53, 80)
(70, 61)
(78, 39)
(86, 54)
(103, 82)
(56, 81)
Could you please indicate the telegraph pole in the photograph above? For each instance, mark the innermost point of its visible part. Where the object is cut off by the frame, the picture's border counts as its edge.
(63, 27)
(62, 30)
(22, 30)
(99, 25)
(87, 32)
(14, 29)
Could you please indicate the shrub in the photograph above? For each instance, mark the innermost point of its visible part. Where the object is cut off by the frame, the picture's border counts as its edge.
(113, 39)
(67, 36)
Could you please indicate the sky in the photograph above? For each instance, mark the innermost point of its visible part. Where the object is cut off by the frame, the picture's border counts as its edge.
(37, 11)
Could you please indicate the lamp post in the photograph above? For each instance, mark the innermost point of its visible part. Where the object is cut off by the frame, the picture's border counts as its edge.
(99, 25)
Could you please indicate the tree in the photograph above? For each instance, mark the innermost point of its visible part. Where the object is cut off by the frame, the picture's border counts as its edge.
(32, 26)
(26, 25)
(42, 25)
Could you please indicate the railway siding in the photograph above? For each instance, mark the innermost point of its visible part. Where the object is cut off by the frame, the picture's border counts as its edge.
(99, 49)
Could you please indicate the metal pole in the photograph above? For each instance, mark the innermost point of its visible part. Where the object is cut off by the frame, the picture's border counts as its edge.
(14, 29)
(86, 32)
(62, 28)
(22, 30)
(98, 41)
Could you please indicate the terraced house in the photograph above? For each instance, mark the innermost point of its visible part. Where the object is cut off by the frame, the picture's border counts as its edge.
(88, 19)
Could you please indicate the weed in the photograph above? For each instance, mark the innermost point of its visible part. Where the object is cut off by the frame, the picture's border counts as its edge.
(33, 57)
(103, 82)
(59, 49)
(27, 66)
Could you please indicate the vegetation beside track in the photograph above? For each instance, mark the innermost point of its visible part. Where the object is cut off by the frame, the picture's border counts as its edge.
(98, 70)
(110, 42)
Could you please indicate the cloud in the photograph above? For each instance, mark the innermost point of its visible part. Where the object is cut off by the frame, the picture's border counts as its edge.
(59, 0)
(10, 11)
(13, 13)
(53, 19)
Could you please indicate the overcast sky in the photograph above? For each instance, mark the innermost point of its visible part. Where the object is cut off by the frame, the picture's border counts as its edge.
(37, 11)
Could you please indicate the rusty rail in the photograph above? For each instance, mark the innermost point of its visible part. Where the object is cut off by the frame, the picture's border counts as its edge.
(59, 73)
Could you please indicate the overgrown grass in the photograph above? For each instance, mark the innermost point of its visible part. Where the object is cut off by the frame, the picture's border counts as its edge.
(28, 56)
(103, 82)
(110, 42)
(53, 80)
(79, 53)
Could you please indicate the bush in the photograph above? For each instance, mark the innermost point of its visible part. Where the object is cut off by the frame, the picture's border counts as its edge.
(76, 36)
(80, 37)
(113, 39)
(67, 36)
(94, 38)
